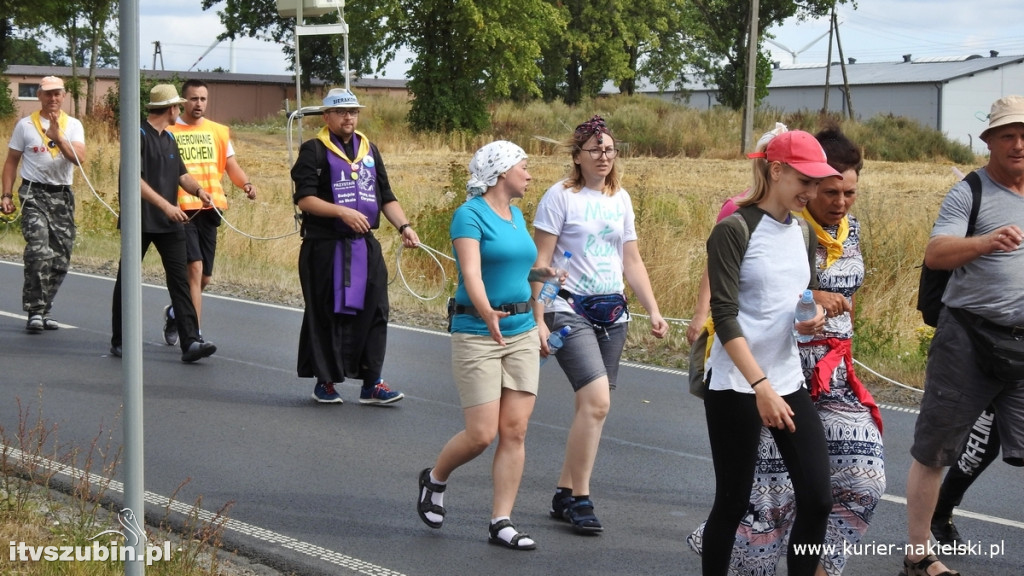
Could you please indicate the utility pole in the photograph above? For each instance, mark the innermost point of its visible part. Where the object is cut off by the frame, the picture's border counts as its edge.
(748, 106)
(842, 64)
(157, 52)
(828, 63)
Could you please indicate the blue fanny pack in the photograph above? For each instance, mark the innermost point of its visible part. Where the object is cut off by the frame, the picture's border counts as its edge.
(600, 309)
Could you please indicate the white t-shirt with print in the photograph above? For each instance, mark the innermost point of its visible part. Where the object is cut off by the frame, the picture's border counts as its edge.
(594, 227)
(37, 164)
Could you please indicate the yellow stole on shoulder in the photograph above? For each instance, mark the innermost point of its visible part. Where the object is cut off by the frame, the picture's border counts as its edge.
(833, 246)
(37, 121)
(364, 145)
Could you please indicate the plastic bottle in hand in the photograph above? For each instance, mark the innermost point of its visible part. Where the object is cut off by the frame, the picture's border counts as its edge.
(806, 309)
(549, 291)
(555, 342)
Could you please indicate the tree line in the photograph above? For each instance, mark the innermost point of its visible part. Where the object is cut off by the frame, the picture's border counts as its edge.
(469, 53)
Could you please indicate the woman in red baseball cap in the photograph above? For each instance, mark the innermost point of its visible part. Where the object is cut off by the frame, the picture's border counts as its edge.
(759, 262)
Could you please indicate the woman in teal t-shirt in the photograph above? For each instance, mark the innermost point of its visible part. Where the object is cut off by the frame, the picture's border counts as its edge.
(495, 342)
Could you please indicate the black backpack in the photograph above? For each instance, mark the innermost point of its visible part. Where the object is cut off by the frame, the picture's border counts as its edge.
(933, 282)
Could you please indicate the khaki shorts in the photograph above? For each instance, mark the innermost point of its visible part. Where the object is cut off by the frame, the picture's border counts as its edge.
(482, 368)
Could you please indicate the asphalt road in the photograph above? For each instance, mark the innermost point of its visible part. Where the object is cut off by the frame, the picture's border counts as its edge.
(328, 489)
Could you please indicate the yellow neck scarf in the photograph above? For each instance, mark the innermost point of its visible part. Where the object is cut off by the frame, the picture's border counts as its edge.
(364, 145)
(833, 246)
(37, 121)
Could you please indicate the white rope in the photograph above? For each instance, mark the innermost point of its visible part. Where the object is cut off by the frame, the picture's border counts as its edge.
(686, 322)
(433, 254)
(250, 236)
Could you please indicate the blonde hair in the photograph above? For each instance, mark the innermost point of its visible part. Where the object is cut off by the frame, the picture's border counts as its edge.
(762, 180)
(762, 168)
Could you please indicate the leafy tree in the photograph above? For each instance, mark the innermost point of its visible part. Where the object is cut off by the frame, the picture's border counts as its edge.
(82, 24)
(717, 40)
(616, 40)
(590, 49)
(29, 52)
(320, 56)
(469, 53)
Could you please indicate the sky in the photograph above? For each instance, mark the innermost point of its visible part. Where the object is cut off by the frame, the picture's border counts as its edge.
(877, 31)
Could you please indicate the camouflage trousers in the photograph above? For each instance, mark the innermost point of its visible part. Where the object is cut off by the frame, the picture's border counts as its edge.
(48, 225)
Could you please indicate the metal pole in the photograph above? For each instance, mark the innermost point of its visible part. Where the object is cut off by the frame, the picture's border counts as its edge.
(298, 68)
(749, 105)
(842, 65)
(131, 278)
(828, 62)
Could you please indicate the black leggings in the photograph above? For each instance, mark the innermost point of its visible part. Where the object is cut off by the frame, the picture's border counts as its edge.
(980, 449)
(734, 428)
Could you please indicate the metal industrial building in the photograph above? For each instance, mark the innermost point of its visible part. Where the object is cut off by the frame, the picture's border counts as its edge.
(953, 95)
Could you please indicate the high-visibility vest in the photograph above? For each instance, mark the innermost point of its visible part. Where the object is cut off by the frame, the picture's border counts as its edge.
(204, 149)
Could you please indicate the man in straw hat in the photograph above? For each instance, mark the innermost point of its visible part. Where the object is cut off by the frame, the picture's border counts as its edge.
(206, 148)
(51, 143)
(163, 171)
(342, 188)
(977, 356)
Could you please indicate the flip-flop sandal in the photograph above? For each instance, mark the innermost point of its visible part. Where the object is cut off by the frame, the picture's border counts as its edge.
(424, 502)
(513, 544)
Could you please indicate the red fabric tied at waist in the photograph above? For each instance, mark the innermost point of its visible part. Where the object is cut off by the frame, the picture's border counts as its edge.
(840, 349)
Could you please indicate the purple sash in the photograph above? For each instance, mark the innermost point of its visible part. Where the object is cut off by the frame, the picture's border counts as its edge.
(353, 185)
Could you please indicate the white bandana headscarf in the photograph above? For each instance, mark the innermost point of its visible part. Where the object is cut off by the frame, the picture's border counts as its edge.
(490, 162)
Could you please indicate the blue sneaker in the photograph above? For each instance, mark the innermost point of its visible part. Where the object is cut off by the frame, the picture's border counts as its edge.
(379, 394)
(325, 394)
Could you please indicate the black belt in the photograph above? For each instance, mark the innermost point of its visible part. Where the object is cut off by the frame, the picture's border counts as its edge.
(45, 187)
(512, 309)
(973, 319)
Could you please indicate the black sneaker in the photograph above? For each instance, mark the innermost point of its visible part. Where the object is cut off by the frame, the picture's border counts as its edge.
(197, 350)
(945, 531)
(170, 328)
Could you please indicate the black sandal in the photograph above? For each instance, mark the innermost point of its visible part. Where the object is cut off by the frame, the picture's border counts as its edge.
(581, 514)
(512, 544)
(424, 502)
(560, 506)
(920, 568)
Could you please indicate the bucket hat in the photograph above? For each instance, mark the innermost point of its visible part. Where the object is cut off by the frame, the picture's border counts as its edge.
(1006, 110)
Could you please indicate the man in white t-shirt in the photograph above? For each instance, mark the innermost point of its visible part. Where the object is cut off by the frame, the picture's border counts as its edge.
(51, 143)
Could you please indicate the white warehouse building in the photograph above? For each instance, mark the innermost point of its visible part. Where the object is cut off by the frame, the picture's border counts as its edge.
(952, 95)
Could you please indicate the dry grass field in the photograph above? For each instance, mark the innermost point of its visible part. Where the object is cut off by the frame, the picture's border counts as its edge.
(676, 200)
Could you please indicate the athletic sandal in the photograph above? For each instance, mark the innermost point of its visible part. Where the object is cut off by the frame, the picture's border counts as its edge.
(581, 514)
(920, 568)
(514, 543)
(424, 502)
(560, 505)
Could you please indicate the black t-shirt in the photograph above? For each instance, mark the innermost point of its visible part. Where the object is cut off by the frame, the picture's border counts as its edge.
(162, 166)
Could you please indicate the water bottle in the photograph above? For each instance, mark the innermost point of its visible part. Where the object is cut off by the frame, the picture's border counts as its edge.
(555, 341)
(549, 291)
(806, 309)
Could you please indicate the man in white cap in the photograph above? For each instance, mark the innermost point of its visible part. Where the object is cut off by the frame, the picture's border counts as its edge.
(51, 143)
(342, 188)
(977, 355)
(163, 171)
